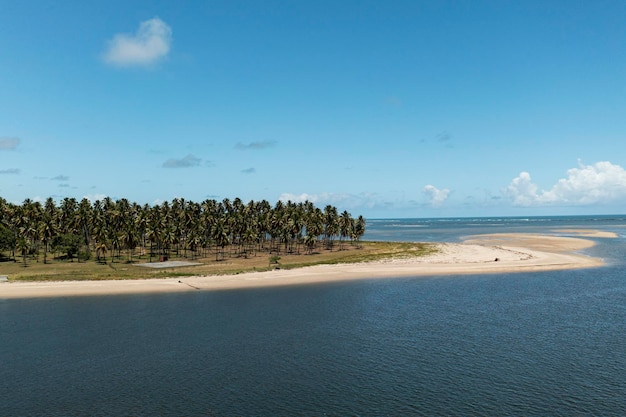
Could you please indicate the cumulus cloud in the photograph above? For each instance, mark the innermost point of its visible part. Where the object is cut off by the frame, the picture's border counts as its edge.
(186, 162)
(301, 198)
(9, 144)
(255, 145)
(148, 45)
(248, 171)
(602, 182)
(95, 197)
(437, 197)
(14, 171)
(350, 201)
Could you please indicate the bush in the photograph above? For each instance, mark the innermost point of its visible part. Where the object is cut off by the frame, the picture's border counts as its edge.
(7, 238)
(274, 260)
(67, 243)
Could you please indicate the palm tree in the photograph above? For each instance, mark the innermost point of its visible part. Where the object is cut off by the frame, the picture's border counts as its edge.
(101, 249)
(68, 209)
(84, 223)
(345, 227)
(101, 230)
(190, 223)
(219, 235)
(331, 225)
(309, 243)
(193, 242)
(358, 230)
(275, 230)
(48, 227)
(122, 226)
(130, 237)
(314, 223)
(152, 231)
(23, 246)
(250, 236)
(27, 217)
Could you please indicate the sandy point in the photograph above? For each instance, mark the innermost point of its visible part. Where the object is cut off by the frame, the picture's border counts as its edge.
(481, 254)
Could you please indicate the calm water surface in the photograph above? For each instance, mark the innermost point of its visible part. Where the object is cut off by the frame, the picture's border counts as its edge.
(538, 344)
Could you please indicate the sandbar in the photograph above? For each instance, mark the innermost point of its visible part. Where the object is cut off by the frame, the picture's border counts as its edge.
(480, 254)
(587, 233)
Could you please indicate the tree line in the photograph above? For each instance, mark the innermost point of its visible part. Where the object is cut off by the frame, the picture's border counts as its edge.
(79, 229)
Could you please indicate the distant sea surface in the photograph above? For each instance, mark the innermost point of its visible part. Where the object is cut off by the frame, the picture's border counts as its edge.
(522, 344)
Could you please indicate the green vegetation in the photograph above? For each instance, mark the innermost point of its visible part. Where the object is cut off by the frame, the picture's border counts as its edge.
(58, 269)
(79, 240)
(274, 260)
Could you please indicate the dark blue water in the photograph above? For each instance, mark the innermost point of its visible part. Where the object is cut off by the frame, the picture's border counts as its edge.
(550, 343)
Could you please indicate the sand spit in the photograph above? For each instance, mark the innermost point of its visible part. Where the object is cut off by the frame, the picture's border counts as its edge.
(481, 254)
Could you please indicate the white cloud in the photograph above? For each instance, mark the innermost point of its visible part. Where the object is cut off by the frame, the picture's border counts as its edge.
(151, 43)
(9, 144)
(437, 196)
(301, 198)
(95, 197)
(602, 182)
(522, 190)
(346, 200)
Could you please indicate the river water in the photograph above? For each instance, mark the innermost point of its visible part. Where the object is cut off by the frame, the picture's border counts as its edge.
(531, 344)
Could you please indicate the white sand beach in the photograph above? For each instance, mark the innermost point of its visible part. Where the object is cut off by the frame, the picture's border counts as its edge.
(482, 254)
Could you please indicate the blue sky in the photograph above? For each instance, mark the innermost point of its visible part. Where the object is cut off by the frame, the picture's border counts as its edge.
(386, 109)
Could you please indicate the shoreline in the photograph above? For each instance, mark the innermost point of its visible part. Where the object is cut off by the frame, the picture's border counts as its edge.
(480, 254)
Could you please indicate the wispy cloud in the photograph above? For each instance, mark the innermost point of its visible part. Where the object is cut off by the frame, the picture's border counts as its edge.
(9, 144)
(437, 197)
(255, 145)
(186, 162)
(13, 171)
(148, 45)
(602, 182)
(248, 171)
(64, 185)
(60, 178)
(393, 101)
(444, 137)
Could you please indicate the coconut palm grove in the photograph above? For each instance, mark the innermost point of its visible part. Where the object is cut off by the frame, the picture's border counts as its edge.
(108, 230)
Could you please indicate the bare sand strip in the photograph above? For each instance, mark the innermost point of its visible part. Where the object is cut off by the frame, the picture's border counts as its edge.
(587, 233)
(167, 264)
(481, 254)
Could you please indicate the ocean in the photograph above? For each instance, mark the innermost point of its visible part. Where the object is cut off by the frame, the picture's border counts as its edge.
(522, 344)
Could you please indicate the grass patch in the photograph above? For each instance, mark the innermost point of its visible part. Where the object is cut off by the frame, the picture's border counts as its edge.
(120, 269)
